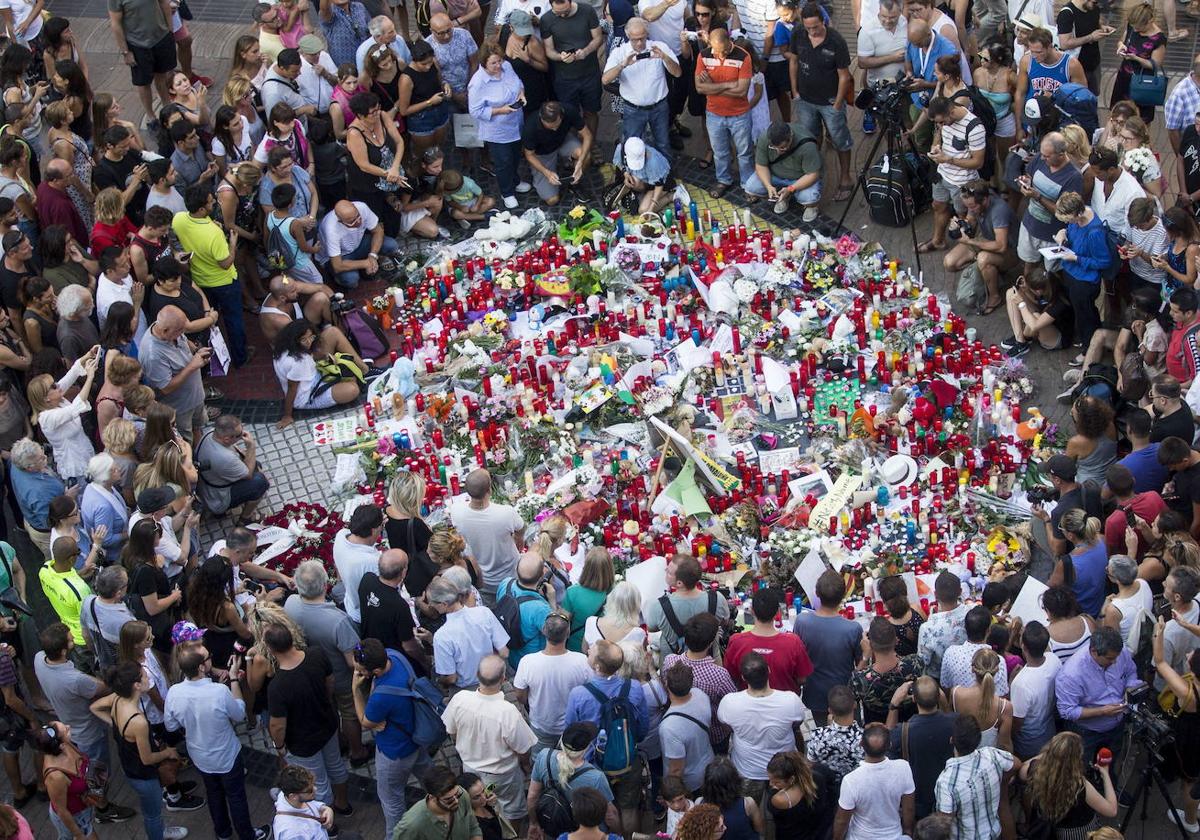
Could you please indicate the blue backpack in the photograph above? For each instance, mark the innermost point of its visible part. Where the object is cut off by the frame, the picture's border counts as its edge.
(427, 703)
(1078, 105)
(617, 751)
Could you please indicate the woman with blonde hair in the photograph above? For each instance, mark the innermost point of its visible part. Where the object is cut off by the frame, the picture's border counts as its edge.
(406, 529)
(1058, 792)
(237, 196)
(240, 94)
(1079, 149)
(992, 713)
(447, 548)
(261, 664)
(1086, 570)
(118, 439)
(1143, 48)
(552, 534)
(112, 227)
(60, 419)
(170, 465)
(585, 599)
(621, 620)
(66, 145)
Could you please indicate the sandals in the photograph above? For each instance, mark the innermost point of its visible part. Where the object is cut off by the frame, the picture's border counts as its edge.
(843, 193)
(1177, 35)
(929, 246)
(989, 308)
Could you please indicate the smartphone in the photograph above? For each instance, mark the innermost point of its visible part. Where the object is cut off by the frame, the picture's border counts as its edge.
(643, 54)
(1165, 612)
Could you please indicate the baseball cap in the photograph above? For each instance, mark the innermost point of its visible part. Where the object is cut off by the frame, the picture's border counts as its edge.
(11, 240)
(155, 498)
(1062, 466)
(186, 631)
(311, 44)
(635, 152)
(1033, 109)
(521, 23)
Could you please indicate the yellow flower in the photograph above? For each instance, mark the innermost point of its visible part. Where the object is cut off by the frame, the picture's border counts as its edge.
(577, 212)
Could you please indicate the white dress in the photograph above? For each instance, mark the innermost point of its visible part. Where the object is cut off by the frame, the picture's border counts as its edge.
(64, 431)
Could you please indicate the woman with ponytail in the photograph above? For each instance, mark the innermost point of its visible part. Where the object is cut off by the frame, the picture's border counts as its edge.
(1085, 568)
(552, 533)
(801, 802)
(992, 713)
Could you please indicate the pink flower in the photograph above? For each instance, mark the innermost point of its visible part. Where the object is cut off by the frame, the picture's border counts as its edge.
(847, 246)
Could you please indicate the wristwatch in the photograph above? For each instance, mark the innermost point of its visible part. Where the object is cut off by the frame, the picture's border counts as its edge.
(373, 256)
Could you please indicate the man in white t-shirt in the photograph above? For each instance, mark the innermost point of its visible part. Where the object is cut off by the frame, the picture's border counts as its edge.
(356, 552)
(493, 532)
(882, 43)
(763, 721)
(116, 283)
(318, 73)
(876, 800)
(544, 680)
(959, 148)
(1032, 693)
(353, 254)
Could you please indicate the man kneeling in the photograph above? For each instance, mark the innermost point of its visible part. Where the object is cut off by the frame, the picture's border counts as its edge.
(983, 238)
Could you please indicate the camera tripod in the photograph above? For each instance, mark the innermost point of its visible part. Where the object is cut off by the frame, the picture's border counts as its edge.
(891, 129)
(1151, 773)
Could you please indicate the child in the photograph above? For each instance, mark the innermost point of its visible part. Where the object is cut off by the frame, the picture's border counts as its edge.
(777, 49)
(674, 795)
(760, 105)
(329, 161)
(294, 23)
(1000, 640)
(467, 201)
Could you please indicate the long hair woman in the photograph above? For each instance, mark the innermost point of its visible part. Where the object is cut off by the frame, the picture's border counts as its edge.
(261, 664)
(155, 601)
(1184, 754)
(551, 535)
(800, 801)
(722, 788)
(213, 608)
(992, 713)
(406, 529)
(59, 418)
(1058, 792)
(907, 620)
(586, 598)
(1069, 628)
(621, 618)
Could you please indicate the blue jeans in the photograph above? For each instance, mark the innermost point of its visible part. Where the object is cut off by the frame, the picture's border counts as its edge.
(811, 116)
(806, 196)
(391, 777)
(327, 766)
(723, 131)
(228, 300)
(149, 793)
(351, 278)
(248, 489)
(227, 803)
(505, 158)
(83, 820)
(635, 121)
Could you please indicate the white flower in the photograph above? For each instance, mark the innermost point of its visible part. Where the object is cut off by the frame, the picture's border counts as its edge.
(745, 289)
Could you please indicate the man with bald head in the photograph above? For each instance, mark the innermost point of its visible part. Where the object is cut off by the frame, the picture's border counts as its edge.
(387, 616)
(455, 51)
(171, 365)
(643, 67)
(534, 597)
(283, 304)
(345, 245)
(54, 206)
(494, 532)
(925, 47)
(492, 737)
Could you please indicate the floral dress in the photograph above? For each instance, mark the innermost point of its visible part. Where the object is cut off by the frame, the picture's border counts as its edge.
(82, 164)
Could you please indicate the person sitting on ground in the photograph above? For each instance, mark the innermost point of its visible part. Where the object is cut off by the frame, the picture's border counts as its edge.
(307, 386)
(464, 197)
(351, 254)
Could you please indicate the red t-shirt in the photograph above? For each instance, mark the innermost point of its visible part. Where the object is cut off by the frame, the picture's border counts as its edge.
(1147, 505)
(105, 235)
(785, 654)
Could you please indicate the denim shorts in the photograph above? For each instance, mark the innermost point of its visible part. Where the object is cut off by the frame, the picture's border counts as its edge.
(429, 120)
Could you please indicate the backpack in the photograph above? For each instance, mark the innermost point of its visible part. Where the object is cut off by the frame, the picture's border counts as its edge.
(1077, 105)
(668, 609)
(618, 753)
(1100, 381)
(1141, 644)
(508, 613)
(280, 255)
(971, 291)
(1135, 381)
(365, 333)
(553, 809)
(428, 704)
(898, 189)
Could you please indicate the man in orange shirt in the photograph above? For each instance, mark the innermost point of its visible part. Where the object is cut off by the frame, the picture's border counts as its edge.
(723, 75)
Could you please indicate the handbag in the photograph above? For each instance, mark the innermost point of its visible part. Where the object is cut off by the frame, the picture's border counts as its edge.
(1149, 88)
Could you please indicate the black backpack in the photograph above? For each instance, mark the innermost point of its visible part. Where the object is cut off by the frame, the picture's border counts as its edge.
(1100, 381)
(898, 189)
(664, 601)
(985, 116)
(508, 613)
(553, 809)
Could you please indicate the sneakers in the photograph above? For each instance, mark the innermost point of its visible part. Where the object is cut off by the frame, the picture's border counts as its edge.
(1077, 362)
(443, 232)
(781, 204)
(263, 832)
(1190, 828)
(810, 214)
(1064, 397)
(464, 224)
(185, 802)
(868, 126)
(1008, 342)
(510, 201)
(682, 130)
(174, 832)
(348, 811)
(524, 187)
(114, 813)
(1072, 376)
(1019, 349)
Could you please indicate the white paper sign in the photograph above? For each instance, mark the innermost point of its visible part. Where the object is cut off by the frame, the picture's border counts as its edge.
(650, 577)
(810, 568)
(1027, 606)
(220, 349)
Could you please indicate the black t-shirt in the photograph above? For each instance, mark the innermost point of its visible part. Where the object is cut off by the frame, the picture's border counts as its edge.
(10, 286)
(545, 141)
(110, 173)
(1076, 498)
(928, 751)
(573, 33)
(1187, 492)
(1189, 149)
(385, 614)
(1178, 424)
(300, 696)
(818, 73)
(419, 574)
(1060, 309)
(1079, 24)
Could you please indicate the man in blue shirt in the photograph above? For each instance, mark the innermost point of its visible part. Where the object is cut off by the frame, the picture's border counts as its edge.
(1148, 474)
(528, 585)
(582, 705)
(1090, 691)
(390, 717)
(925, 47)
(35, 486)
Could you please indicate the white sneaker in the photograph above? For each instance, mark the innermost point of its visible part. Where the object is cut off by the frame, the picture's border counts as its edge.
(524, 187)
(810, 214)
(174, 832)
(1190, 828)
(443, 232)
(1072, 376)
(510, 201)
(781, 204)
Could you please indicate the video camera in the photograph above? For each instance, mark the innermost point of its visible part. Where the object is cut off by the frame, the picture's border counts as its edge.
(1145, 721)
(886, 99)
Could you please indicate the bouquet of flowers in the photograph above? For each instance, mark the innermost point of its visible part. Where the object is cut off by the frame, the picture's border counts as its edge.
(312, 528)
(1142, 163)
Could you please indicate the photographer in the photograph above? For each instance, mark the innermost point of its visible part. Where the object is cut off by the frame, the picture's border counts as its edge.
(1180, 590)
(1037, 308)
(981, 238)
(1070, 495)
(925, 47)
(959, 147)
(1184, 754)
(1090, 691)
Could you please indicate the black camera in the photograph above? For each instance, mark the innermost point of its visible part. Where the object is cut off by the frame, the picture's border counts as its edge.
(1146, 722)
(885, 99)
(1041, 494)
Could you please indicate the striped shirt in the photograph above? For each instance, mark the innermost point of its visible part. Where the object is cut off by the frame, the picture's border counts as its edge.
(969, 788)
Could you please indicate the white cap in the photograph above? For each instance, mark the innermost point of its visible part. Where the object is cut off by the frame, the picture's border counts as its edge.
(635, 153)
